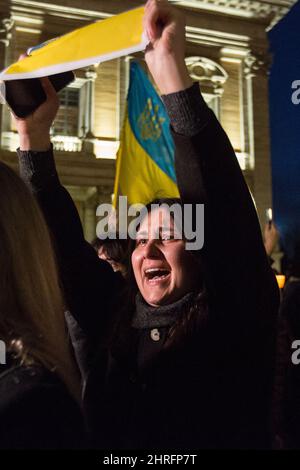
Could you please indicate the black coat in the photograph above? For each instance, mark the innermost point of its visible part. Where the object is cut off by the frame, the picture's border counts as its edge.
(289, 358)
(214, 390)
(36, 410)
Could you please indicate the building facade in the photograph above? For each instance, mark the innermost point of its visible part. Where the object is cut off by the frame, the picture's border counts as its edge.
(227, 53)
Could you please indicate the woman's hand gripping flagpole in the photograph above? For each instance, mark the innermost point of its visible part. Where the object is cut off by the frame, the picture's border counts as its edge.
(165, 55)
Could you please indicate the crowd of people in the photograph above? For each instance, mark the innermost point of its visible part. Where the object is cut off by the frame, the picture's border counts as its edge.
(170, 349)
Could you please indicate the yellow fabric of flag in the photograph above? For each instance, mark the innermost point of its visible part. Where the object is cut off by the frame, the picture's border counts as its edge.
(100, 41)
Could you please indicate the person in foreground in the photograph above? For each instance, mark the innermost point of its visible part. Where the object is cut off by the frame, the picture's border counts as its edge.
(39, 388)
(189, 362)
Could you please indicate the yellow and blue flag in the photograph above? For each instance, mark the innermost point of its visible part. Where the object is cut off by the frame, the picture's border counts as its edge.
(145, 160)
(113, 37)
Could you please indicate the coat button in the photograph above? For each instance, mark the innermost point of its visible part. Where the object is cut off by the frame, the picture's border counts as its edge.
(133, 379)
(155, 334)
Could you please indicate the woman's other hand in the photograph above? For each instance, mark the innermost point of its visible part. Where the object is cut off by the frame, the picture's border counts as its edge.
(271, 236)
(34, 130)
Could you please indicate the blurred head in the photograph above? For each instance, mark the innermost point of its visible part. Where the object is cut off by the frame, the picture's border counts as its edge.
(114, 251)
(31, 305)
(102, 253)
(164, 270)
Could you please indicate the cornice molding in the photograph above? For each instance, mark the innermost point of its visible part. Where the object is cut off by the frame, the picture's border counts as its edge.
(216, 38)
(256, 64)
(39, 8)
(272, 10)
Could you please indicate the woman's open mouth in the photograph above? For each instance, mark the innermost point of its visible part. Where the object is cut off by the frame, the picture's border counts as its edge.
(156, 275)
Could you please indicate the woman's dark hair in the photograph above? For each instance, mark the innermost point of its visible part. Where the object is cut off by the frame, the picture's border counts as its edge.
(191, 319)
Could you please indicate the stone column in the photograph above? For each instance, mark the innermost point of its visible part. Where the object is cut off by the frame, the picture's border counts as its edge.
(104, 194)
(123, 88)
(90, 207)
(91, 76)
(258, 141)
(89, 103)
(89, 221)
(6, 25)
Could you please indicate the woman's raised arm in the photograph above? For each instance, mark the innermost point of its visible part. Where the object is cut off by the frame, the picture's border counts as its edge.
(89, 283)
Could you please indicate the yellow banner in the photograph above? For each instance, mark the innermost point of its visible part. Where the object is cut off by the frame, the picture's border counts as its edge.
(104, 40)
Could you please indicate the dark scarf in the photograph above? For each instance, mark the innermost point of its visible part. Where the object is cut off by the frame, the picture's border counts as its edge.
(157, 317)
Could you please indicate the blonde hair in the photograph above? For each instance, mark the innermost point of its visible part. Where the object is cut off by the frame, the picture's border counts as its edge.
(32, 320)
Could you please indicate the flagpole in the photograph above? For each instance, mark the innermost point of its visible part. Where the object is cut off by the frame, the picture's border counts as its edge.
(118, 167)
(117, 178)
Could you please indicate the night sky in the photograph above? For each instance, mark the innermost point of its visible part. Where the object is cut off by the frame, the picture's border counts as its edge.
(285, 126)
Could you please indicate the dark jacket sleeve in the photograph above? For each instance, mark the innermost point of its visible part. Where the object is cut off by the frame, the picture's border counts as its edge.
(235, 264)
(89, 283)
(242, 292)
(290, 370)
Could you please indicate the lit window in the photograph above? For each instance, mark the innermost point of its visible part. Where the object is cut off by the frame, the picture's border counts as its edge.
(66, 122)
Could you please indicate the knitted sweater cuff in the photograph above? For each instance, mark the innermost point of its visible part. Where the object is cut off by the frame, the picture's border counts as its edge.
(187, 110)
(37, 169)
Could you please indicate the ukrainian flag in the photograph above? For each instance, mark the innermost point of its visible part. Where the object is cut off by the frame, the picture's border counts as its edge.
(145, 160)
(91, 44)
